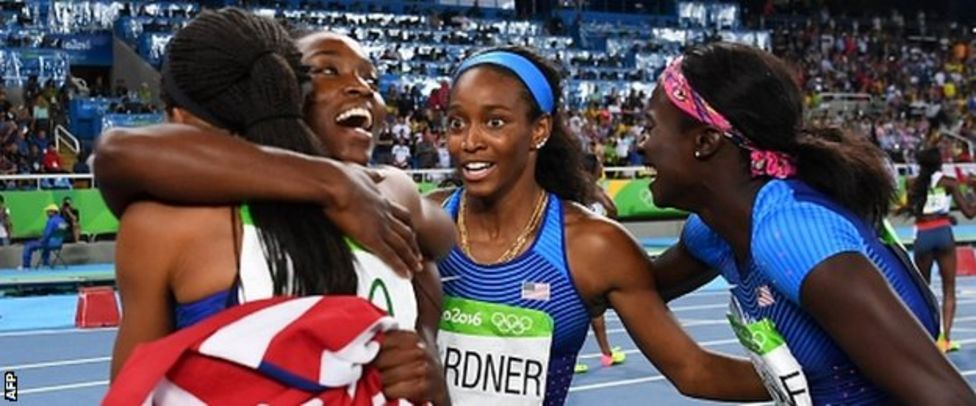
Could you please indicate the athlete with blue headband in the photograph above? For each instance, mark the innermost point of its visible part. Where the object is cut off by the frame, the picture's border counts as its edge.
(533, 264)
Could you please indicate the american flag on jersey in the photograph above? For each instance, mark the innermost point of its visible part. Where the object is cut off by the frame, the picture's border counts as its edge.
(764, 296)
(310, 351)
(535, 291)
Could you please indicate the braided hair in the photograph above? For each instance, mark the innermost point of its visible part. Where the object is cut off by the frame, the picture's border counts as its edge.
(242, 73)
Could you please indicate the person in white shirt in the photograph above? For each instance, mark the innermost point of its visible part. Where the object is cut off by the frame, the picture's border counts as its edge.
(401, 155)
(401, 130)
(443, 155)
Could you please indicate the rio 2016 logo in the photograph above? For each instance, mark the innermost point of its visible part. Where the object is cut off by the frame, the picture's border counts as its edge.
(455, 315)
(511, 323)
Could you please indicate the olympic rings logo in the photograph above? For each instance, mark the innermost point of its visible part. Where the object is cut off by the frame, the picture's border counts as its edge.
(511, 323)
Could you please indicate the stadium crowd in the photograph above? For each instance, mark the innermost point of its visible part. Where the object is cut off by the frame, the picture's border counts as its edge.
(895, 85)
(898, 80)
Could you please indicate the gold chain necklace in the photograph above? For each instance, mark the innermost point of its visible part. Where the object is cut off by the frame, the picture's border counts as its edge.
(520, 241)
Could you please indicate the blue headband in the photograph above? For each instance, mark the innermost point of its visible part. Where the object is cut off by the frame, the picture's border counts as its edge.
(527, 72)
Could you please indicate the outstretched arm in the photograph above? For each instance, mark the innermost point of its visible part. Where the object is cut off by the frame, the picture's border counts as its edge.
(815, 258)
(630, 289)
(185, 164)
(906, 363)
(677, 273)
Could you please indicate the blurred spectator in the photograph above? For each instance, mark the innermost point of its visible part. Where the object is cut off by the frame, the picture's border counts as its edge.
(426, 151)
(401, 131)
(120, 89)
(145, 95)
(32, 162)
(42, 113)
(6, 224)
(401, 155)
(5, 105)
(443, 155)
(55, 230)
(41, 139)
(73, 217)
(51, 160)
(81, 165)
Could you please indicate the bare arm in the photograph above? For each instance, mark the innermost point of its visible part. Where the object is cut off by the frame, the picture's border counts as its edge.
(677, 273)
(906, 363)
(427, 288)
(143, 260)
(434, 228)
(630, 289)
(185, 164)
(967, 208)
(439, 196)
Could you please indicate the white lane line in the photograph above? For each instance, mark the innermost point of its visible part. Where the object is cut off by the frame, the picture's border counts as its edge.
(692, 323)
(637, 351)
(58, 388)
(654, 378)
(57, 331)
(612, 384)
(55, 363)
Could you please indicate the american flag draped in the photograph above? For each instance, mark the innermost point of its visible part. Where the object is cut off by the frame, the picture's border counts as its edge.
(311, 350)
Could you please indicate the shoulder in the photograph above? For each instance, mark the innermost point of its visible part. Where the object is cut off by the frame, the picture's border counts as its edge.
(803, 217)
(591, 239)
(400, 187)
(159, 222)
(441, 195)
(703, 243)
(792, 238)
(434, 228)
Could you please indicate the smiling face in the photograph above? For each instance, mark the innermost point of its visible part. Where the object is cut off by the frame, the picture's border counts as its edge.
(669, 150)
(345, 104)
(490, 134)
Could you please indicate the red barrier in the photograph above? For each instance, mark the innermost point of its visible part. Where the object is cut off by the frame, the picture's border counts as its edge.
(965, 261)
(97, 307)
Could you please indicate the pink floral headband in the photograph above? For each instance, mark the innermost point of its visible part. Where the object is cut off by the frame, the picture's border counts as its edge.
(763, 162)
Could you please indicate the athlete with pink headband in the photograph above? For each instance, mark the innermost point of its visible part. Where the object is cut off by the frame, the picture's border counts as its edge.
(823, 297)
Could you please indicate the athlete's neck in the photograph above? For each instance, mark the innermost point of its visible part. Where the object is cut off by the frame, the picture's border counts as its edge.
(504, 216)
(727, 209)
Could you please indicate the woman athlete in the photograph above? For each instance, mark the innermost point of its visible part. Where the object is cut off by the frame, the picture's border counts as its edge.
(930, 200)
(533, 264)
(828, 312)
(201, 85)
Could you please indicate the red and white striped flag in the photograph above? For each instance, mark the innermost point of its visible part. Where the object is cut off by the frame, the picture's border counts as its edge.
(310, 350)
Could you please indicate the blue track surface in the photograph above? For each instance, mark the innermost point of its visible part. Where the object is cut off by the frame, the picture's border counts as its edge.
(66, 366)
(70, 367)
